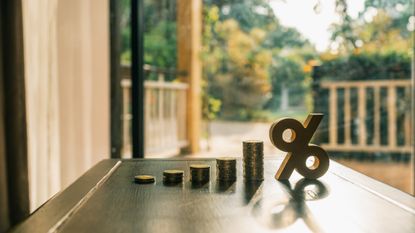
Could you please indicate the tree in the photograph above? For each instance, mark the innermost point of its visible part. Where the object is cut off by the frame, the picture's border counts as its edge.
(286, 74)
(383, 26)
(235, 66)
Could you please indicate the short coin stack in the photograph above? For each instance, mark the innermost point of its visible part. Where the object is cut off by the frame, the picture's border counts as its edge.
(173, 176)
(226, 169)
(200, 173)
(253, 160)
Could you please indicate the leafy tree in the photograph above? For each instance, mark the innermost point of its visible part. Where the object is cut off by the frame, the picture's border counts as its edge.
(235, 66)
(383, 26)
(243, 45)
(160, 45)
(159, 34)
(286, 75)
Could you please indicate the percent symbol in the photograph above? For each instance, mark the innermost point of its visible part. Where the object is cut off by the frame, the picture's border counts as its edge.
(298, 147)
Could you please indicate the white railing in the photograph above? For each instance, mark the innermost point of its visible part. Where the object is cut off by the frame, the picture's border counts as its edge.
(362, 145)
(164, 117)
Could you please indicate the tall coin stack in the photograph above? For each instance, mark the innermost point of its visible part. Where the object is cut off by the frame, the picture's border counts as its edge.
(226, 169)
(253, 160)
(200, 173)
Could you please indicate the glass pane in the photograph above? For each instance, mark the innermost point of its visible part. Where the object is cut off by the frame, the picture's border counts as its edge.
(243, 64)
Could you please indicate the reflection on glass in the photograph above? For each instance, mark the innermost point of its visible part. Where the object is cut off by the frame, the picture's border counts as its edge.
(251, 190)
(282, 211)
(258, 60)
(200, 186)
(227, 187)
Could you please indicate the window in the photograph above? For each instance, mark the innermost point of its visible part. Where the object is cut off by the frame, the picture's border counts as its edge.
(218, 72)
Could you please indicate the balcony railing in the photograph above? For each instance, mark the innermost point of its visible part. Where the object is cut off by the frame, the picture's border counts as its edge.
(164, 115)
(388, 105)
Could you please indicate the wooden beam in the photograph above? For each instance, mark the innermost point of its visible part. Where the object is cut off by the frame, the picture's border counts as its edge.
(189, 43)
(370, 83)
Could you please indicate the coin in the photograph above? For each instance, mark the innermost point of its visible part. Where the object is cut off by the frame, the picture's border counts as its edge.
(173, 172)
(144, 179)
(199, 166)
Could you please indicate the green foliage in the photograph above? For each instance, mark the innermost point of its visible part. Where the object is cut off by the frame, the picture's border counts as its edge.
(159, 34)
(383, 26)
(367, 67)
(238, 69)
(343, 31)
(160, 45)
(248, 55)
(284, 37)
(287, 73)
(242, 42)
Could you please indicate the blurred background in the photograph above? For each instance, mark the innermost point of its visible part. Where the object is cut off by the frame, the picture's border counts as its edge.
(259, 60)
(213, 73)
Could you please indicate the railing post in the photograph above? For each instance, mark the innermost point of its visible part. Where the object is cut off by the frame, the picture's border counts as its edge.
(126, 117)
(392, 116)
(362, 115)
(160, 112)
(333, 115)
(319, 105)
(347, 117)
(407, 120)
(376, 116)
(148, 109)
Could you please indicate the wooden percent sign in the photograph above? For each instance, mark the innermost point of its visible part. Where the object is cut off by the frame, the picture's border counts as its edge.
(298, 147)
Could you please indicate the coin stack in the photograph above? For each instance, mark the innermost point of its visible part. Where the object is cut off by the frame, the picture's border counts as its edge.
(200, 173)
(226, 169)
(253, 160)
(173, 176)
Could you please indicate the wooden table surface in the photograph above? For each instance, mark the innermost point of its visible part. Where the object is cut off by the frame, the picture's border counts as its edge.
(106, 199)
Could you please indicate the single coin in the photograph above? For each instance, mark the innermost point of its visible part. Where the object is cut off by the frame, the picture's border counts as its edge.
(144, 179)
(173, 172)
(225, 159)
(199, 166)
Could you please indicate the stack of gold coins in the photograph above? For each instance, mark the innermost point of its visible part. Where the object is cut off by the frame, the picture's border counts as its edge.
(200, 173)
(253, 160)
(173, 176)
(226, 169)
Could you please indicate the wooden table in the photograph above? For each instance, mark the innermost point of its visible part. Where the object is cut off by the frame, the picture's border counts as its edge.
(106, 199)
